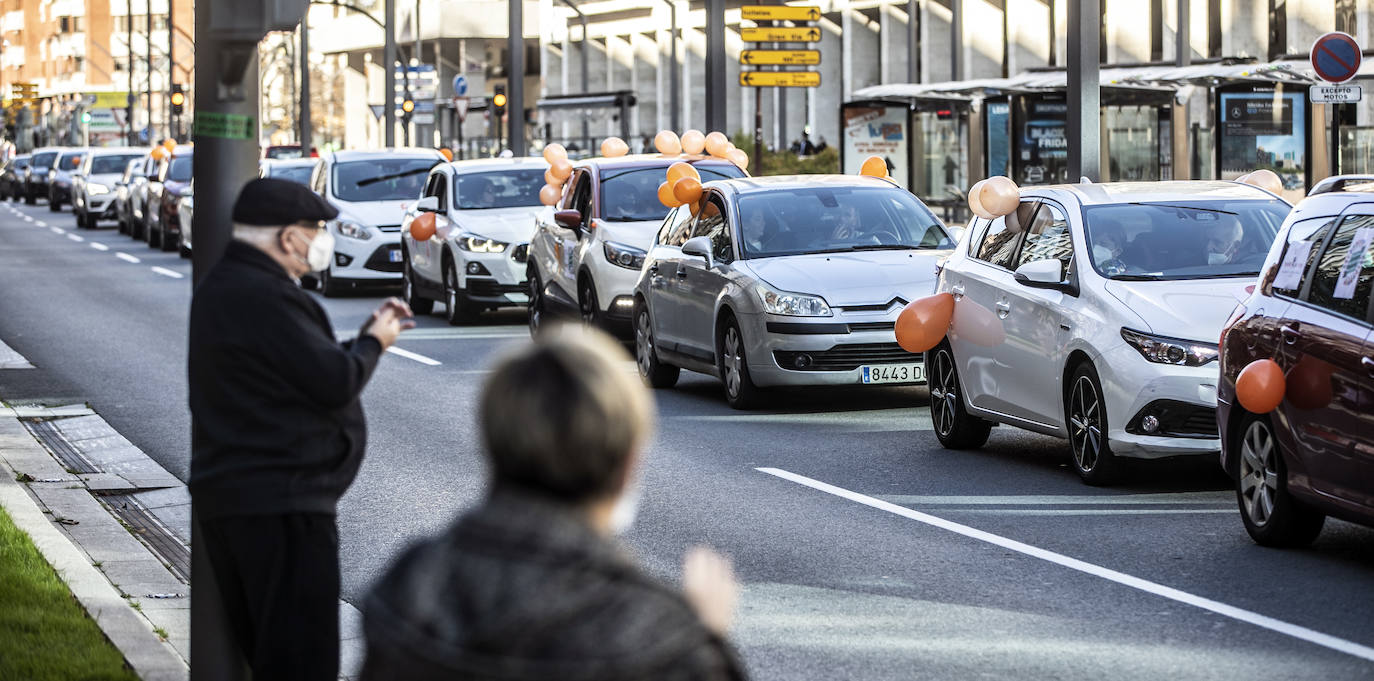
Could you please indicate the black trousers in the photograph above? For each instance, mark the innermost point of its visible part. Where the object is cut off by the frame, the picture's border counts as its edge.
(279, 578)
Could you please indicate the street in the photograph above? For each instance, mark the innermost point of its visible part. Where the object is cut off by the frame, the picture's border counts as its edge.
(1012, 568)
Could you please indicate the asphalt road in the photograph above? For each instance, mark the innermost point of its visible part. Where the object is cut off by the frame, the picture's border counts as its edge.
(866, 550)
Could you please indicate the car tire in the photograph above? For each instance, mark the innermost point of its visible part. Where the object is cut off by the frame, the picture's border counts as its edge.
(53, 204)
(1085, 417)
(78, 218)
(653, 371)
(955, 428)
(152, 237)
(170, 243)
(183, 251)
(89, 221)
(30, 198)
(418, 303)
(328, 287)
(457, 310)
(536, 309)
(587, 304)
(733, 364)
(1271, 515)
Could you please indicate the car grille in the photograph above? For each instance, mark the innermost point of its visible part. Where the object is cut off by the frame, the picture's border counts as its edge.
(380, 260)
(521, 253)
(871, 326)
(845, 357)
(389, 228)
(490, 288)
(874, 308)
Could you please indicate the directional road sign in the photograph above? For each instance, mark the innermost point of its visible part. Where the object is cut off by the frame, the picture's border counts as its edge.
(779, 13)
(460, 86)
(780, 57)
(1336, 57)
(1335, 94)
(780, 79)
(804, 34)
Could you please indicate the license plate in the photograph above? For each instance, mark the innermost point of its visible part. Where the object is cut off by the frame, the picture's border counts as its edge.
(395, 255)
(894, 373)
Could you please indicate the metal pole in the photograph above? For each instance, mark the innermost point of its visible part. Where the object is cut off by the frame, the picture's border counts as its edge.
(129, 97)
(956, 39)
(171, 71)
(148, 42)
(913, 45)
(305, 133)
(1183, 36)
(419, 59)
(715, 65)
(674, 73)
(389, 63)
(515, 77)
(1084, 133)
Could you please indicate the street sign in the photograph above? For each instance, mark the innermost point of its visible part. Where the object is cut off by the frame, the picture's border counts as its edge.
(779, 13)
(780, 57)
(460, 86)
(804, 34)
(780, 79)
(460, 105)
(1336, 57)
(1335, 94)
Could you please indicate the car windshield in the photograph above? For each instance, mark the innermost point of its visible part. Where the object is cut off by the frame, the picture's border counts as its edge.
(1182, 239)
(284, 152)
(180, 170)
(381, 179)
(632, 195)
(45, 159)
(501, 189)
(836, 219)
(20, 163)
(103, 165)
(298, 174)
(71, 161)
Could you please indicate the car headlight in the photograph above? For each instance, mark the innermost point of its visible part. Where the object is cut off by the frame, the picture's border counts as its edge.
(94, 188)
(476, 243)
(629, 257)
(792, 304)
(1165, 350)
(354, 230)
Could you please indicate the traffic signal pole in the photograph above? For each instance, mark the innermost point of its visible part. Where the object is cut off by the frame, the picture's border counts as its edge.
(389, 65)
(515, 77)
(1084, 133)
(304, 133)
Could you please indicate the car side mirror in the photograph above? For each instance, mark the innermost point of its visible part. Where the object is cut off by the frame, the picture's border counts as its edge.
(1047, 274)
(568, 219)
(428, 204)
(700, 247)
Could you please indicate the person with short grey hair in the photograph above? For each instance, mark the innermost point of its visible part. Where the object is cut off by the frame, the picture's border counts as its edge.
(532, 584)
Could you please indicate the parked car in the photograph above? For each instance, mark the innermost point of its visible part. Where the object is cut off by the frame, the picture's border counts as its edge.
(164, 196)
(372, 190)
(484, 213)
(787, 281)
(12, 178)
(1310, 312)
(36, 175)
(281, 151)
(295, 169)
(1110, 296)
(587, 251)
(123, 194)
(93, 187)
(139, 183)
(62, 175)
(184, 213)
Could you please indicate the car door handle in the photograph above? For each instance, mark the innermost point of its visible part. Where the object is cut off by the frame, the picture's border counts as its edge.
(681, 272)
(957, 290)
(1003, 309)
(653, 269)
(1368, 365)
(1290, 334)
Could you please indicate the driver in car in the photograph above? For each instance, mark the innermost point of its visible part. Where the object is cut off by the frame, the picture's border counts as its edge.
(1223, 240)
(1109, 242)
(847, 224)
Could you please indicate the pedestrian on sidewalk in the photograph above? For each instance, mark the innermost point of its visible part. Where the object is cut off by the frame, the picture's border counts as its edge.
(532, 584)
(278, 431)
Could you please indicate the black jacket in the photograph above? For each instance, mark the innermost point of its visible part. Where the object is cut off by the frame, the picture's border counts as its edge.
(522, 589)
(277, 426)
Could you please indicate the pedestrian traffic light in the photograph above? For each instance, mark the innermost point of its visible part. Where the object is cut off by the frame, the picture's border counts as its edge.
(178, 99)
(407, 105)
(498, 99)
(85, 117)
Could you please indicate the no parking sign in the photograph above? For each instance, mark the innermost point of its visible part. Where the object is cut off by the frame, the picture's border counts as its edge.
(1336, 57)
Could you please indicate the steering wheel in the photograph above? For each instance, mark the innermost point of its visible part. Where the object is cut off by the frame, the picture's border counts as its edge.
(886, 236)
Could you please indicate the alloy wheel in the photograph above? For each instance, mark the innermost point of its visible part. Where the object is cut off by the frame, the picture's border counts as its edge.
(644, 343)
(944, 393)
(587, 302)
(536, 304)
(1085, 424)
(1259, 477)
(407, 287)
(733, 360)
(451, 293)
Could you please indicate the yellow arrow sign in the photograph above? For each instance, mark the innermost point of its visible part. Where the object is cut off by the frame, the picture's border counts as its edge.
(779, 13)
(780, 79)
(805, 34)
(780, 57)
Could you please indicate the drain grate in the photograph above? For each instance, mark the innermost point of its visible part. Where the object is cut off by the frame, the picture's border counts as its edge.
(152, 532)
(57, 443)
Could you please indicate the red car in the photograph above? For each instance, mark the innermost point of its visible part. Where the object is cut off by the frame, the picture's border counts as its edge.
(1311, 312)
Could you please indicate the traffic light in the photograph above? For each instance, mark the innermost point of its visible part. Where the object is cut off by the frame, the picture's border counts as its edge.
(498, 99)
(178, 99)
(407, 105)
(85, 117)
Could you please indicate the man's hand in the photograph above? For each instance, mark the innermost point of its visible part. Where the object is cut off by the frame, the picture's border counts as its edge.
(708, 582)
(388, 321)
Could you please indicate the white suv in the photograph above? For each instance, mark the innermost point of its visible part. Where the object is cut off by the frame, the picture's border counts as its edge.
(93, 186)
(1092, 313)
(372, 190)
(484, 213)
(588, 249)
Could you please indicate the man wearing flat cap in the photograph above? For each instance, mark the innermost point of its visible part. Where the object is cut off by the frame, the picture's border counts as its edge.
(278, 431)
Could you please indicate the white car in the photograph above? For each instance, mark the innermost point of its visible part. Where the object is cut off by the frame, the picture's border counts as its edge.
(293, 169)
(93, 186)
(372, 190)
(186, 204)
(61, 174)
(1093, 312)
(587, 251)
(484, 213)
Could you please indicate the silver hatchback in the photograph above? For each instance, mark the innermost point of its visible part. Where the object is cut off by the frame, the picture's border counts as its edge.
(787, 281)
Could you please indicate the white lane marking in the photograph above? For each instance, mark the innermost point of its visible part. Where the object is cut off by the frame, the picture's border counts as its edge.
(99, 246)
(76, 238)
(166, 272)
(28, 218)
(411, 355)
(58, 230)
(1062, 499)
(127, 258)
(1263, 621)
(40, 223)
(462, 334)
(1088, 512)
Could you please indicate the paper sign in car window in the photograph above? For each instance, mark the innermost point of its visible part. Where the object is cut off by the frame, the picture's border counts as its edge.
(1294, 263)
(1354, 263)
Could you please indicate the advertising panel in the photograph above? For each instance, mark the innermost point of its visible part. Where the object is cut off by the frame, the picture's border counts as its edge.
(1264, 126)
(1042, 154)
(880, 131)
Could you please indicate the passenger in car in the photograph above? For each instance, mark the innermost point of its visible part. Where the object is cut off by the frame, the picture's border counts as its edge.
(1109, 242)
(1223, 240)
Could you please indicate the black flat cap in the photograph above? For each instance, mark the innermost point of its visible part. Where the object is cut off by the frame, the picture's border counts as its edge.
(270, 201)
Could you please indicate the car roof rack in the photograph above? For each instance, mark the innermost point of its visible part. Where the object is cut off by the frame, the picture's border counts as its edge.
(1344, 183)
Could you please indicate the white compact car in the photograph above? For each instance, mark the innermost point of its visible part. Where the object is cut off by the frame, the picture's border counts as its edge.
(787, 281)
(484, 214)
(1093, 313)
(293, 169)
(94, 185)
(60, 176)
(372, 190)
(588, 250)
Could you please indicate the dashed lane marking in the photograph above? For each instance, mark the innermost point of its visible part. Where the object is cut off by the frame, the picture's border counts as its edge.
(58, 230)
(127, 258)
(99, 246)
(40, 223)
(167, 273)
(1262, 621)
(76, 237)
(1176, 498)
(414, 356)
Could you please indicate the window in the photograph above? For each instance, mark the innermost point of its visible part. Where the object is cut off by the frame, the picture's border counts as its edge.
(381, 179)
(1307, 235)
(441, 190)
(676, 228)
(580, 196)
(514, 188)
(631, 194)
(1345, 275)
(1182, 239)
(1048, 238)
(711, 223)
(999, 244)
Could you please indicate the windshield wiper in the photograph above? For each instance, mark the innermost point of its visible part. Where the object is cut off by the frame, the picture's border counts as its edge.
(1135, 277)
(879, 247)
(392, 176)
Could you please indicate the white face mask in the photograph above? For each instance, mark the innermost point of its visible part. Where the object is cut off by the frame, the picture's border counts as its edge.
(320, 251)
(1101, 254)
(1218, 258)
(626, 508)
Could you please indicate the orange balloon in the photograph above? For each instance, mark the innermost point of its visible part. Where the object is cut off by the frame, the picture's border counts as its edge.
(1260, 386)
(694, 207)
(1265, 179)
(973, 203)
(999, 195)
(693, 142)
(874, 166)
(422, 227)
(717, 144)
(682, 169)
(446, 153)
(923, 323)
(687, 190)
(561, 169)
(666, 197)
(550, 178)
(667, 143)
(1309, 383)
(549, 194)
(169, 144)
(614, 146)
(554, 153)
(739, 158)
(159, 153)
